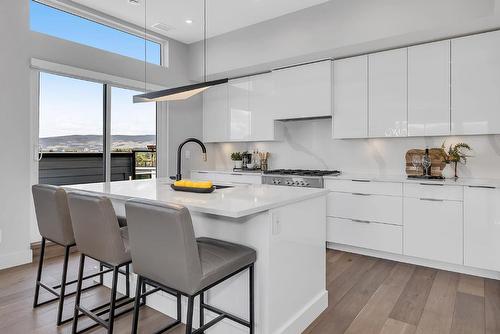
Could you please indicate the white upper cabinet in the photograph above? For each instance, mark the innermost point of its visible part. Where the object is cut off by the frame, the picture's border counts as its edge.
(387, 94)
(476, 84)
(240, 116)
(350, 97)
(216, 114)
(263, 126)
(429, 89)
(303, 91)
(482, 228)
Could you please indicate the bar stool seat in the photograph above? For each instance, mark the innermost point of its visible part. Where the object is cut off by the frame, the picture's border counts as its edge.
(221, 258)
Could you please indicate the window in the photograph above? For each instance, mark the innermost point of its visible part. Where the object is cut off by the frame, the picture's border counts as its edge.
(61, 24)
(72, 132)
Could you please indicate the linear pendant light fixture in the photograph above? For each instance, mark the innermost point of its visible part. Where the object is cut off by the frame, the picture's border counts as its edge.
(184, 92)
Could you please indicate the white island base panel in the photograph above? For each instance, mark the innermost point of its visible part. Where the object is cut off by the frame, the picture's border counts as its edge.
(290, 272)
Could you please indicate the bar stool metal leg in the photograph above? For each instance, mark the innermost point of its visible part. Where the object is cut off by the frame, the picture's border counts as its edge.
(252, 299)
(139, 287)
(189, 320)
(202, 310)
(78, 294)
(39, 273)
(63, 285)
(112, 303)
(127, 280)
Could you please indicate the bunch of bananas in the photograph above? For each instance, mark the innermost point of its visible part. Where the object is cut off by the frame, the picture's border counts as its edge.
(194, 184)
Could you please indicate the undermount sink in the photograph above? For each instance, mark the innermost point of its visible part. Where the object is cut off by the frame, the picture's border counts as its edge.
(218, 186)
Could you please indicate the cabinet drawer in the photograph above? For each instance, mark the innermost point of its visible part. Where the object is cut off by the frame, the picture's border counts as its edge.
(365, 187)
(372, 208)
(227, 177)
(433, 229)
(433, 191)
(381, 237)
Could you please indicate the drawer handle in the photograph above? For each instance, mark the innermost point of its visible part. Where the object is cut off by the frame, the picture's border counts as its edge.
(360, 180)
(360, 194)
(432, 199)
(431, 184)
(236, 174)
(483, 187)
(361, 221)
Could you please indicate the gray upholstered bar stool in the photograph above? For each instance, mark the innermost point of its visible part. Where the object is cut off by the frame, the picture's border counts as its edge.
(99, 237)
(167, 256)
(54, 224)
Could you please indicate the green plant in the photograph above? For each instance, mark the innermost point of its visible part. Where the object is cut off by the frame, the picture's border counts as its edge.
(236, 156)
(455, 153)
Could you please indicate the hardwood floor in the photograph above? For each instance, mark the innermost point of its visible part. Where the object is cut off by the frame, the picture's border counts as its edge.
(366, 295)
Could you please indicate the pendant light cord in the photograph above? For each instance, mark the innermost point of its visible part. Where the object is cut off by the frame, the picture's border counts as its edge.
(145, 46)
(205, 40)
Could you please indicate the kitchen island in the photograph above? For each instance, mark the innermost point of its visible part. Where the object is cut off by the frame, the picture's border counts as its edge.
(287, 228)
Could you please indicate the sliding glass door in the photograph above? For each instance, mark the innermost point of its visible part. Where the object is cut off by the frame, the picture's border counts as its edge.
(92, 132)
(71, 129)
(133, 133)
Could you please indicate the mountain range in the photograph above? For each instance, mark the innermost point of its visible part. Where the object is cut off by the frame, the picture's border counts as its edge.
(93, 143)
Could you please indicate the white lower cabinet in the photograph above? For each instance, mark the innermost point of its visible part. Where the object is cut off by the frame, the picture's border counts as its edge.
(482, 228)
(433, 229)
(382, 237)
(367, 207)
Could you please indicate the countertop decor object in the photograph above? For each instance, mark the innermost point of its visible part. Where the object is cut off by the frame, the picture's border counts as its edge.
(193, 189)
(237, 157)
(415, 169)
(455, 154)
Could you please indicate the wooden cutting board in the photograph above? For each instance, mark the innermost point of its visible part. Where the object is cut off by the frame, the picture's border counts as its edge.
(437, 161)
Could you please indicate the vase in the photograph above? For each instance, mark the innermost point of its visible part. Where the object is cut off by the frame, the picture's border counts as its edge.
(448, 172)
(238, 164)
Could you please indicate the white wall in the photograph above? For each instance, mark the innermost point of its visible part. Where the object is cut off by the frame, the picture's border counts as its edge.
(14, 133)
(308, 144)
(340, 28)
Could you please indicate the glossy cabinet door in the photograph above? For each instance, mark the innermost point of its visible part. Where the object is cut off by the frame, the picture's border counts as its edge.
(216, 114)
(429, 89)
(482, 228)
(476, 84)
(387, 94)
(303, 91)
(263, 126)
(433, 229)
(350, 97)
(240, 116)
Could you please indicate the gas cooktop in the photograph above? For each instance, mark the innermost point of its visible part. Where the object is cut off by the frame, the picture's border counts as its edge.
(297, 177)
(302, 172)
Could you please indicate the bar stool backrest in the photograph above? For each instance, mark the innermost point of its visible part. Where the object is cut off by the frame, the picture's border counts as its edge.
(52, 214)
(97, 232)
(163, 245)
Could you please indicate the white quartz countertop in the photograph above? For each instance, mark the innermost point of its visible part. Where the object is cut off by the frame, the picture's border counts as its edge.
(489, 183)
(235, 202)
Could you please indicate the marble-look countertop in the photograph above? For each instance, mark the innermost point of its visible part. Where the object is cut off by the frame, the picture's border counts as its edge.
(235, 202)
(489, 183)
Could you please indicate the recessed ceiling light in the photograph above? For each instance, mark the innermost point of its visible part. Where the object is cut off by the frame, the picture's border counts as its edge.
(134, 2)
(189, 21)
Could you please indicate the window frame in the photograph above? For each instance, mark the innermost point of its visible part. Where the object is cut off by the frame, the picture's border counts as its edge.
(105, 20)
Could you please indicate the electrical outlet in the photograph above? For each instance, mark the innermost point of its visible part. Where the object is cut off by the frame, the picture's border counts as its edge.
(187, 154)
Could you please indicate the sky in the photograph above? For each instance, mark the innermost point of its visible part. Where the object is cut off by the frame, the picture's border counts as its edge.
(75, 107)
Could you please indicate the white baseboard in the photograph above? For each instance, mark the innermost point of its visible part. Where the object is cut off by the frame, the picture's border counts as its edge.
(417, 261)
(307, 315)
(15, 259)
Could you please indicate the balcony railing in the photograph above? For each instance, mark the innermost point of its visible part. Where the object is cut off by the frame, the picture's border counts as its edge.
(64, 168)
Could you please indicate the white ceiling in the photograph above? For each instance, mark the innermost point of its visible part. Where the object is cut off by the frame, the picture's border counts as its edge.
(223, 15)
